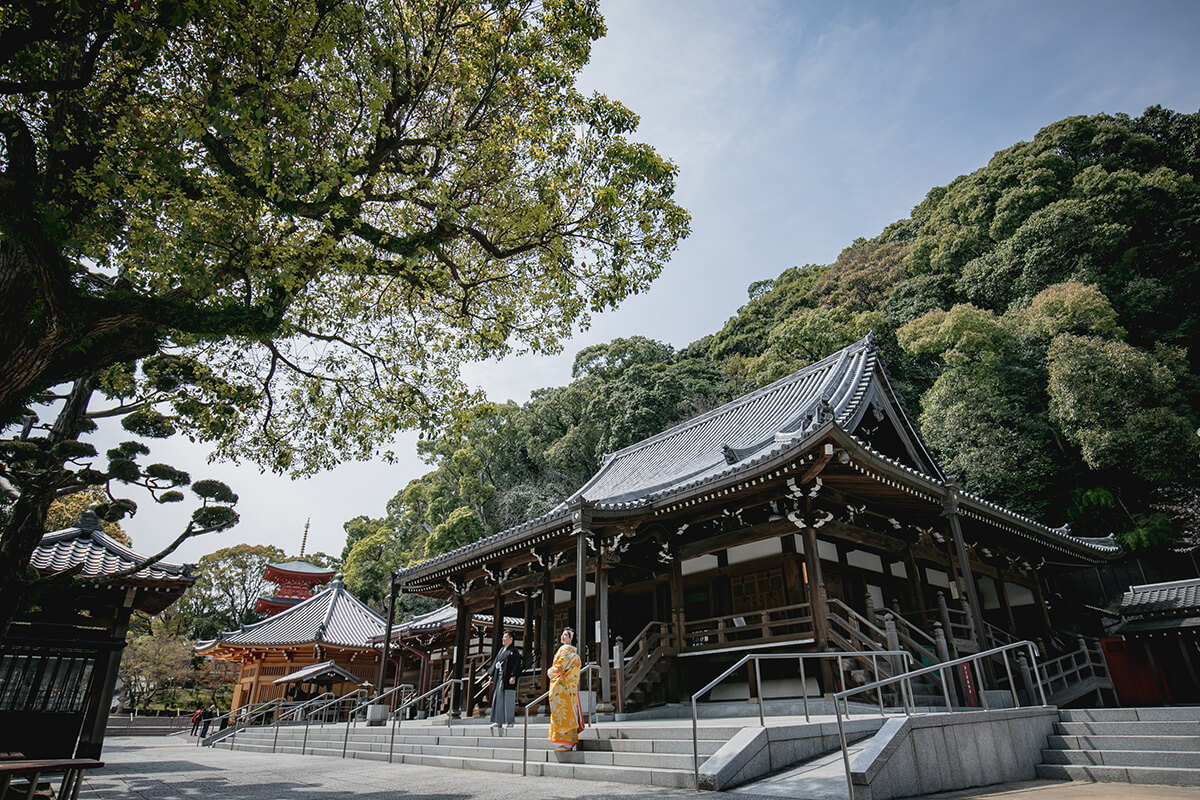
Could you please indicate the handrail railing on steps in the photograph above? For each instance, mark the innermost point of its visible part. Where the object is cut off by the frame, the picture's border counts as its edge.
(873, 655)
(533, 704)
(294, 714)
(373, 701)
(233, 725)
(906, 679)
(397, 717)
(334, 703)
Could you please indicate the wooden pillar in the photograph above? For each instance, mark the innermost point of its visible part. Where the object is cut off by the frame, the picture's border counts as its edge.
(915, 582)
(675, 584)
(387, 639)
(605, 705)
(527, 633)
(964, 565)
(462, 632)
(497, 620)
(1002, 591)
(1047, 626)
(793, 580)
(816, 585)
(103, 683)
(547, 628)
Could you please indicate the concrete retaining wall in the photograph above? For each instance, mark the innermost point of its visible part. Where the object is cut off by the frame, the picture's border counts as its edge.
(912, 756)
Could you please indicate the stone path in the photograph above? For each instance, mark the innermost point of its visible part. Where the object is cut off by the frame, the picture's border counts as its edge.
(152, 768)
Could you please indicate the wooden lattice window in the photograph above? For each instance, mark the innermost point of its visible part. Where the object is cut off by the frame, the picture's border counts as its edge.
(753, 591)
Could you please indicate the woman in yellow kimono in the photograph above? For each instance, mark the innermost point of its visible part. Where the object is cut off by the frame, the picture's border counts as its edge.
(566, 715)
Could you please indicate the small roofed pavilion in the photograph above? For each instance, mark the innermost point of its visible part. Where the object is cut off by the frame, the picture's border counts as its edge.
(58, 663)
(331, 626)
(296, 581)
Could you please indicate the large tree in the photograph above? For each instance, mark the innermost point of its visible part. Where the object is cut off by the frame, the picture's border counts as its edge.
(284, 227)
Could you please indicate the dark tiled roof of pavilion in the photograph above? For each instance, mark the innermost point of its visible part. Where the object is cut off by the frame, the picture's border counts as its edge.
(443, 618)
(331, 617)
(99, 555)
(1174, 597)
(328, 670)
(747, 432)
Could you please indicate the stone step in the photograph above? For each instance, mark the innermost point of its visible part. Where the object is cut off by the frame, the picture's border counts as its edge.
(510, 742)
(638, 753)
(572, 765)
(1149, 728)
(1143, 743)
(1167, 714)
(1100, 774)
(1124, 758)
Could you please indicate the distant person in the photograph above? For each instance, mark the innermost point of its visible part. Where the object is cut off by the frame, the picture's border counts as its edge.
(196, 717)
(566, 715)
(207, 718)
(506, 669)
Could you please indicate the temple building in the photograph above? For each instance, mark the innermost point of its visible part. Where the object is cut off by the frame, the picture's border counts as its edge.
(422, 651)
(1154, 648)
(296, 581)
(808, 514)
(58, 663)
(332, 629)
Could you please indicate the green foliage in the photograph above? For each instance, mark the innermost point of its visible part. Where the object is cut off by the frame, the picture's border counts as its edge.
(230, 581)
(1038, 315)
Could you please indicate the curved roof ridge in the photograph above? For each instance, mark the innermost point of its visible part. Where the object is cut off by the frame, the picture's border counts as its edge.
(725, 408)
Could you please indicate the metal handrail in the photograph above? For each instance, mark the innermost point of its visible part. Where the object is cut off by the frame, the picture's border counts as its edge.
(396, 717)
(322, 707)
(874, 655)
(272, 706)
(292, 712)
(906, 678)
(533, 704)
(229, 715)
(370, 702)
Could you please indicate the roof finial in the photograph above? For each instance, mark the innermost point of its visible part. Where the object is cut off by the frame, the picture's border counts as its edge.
(304, 539)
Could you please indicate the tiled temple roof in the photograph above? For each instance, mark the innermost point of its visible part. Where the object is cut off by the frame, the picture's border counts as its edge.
(738, 437)
(100, 555)
(332, 617)
(1174, 597)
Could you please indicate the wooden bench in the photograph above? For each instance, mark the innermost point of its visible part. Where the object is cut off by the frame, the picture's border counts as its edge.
(32, 770)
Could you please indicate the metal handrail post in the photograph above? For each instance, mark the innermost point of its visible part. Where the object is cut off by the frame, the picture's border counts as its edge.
(804, 689)
(845, 751)
(532, 704)
(1012, 687)
(762, 719)
(1037, 675)
(696, 746)
(879, 692)
(945, 690)
(979, 680)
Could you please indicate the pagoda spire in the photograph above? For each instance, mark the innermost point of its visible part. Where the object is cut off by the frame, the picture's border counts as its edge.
(304, 539)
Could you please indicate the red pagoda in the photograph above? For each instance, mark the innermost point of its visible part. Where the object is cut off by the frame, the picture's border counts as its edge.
(296, 580)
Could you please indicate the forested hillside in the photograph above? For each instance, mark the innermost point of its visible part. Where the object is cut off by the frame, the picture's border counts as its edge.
(1039, 315)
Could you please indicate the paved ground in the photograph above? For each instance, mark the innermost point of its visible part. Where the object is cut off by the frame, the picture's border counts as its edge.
(153, 768)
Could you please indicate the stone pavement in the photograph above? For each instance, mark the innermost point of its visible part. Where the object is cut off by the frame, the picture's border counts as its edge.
(1071, 790)
(168, 768)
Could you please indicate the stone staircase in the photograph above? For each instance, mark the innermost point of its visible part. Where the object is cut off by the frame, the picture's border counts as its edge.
(653, 755)
(1125, 745)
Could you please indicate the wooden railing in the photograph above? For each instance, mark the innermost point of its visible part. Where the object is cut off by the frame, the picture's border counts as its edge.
(635, 660)
(748, 628)
(956, 623)
(1075, 674)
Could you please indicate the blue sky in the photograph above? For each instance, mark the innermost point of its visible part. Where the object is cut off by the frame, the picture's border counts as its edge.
(798, 127)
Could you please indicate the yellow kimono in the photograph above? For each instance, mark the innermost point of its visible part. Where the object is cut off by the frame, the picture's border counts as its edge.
(566, 715)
